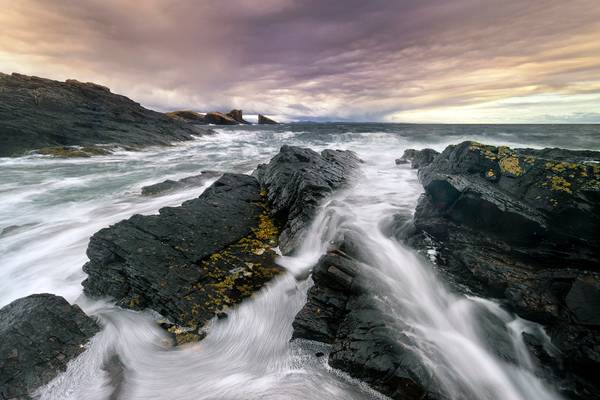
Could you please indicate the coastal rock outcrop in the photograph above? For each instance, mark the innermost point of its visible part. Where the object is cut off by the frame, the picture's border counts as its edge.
(366, 342)
(188, 263)
(296, 180)
(188, 116)
(39, 335)
(523, 225)
(41, 113)
(170, 185)
(219, 118)
(262, 120)
(417, 158)
(238, 116)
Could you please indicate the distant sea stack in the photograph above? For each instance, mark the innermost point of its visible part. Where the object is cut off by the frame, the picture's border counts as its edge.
(237, 115)
(262, 120)
(42, 113)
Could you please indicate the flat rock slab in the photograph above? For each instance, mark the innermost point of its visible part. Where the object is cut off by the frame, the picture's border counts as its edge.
(188, 263)
(39, 335)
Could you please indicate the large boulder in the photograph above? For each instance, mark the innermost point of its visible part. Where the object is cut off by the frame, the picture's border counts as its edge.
(39, 335)
(262, 120)
(41, 113)
(188, 263)
(524, 225)
(297, 180)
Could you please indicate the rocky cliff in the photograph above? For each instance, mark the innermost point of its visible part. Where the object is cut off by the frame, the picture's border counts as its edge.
(40, 113)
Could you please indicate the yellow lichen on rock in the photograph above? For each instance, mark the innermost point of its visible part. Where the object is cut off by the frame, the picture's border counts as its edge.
(560, 184)
(510, 165)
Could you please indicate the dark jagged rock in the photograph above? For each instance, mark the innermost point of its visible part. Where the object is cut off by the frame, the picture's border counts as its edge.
(262, 120)
(366, 342)
(238, 116)
(171, 185)
(524, 225)
(296, 180)
(188, 263)
(39, 335)
(218, 118)
(417, 158)
(37, 113)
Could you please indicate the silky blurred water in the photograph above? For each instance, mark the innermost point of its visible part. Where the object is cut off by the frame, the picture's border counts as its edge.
(50, 207)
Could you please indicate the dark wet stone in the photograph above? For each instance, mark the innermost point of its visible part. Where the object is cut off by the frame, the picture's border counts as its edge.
(39, 335)
(222, 315)
(171, 185)
(188, 263)
(41, 113)
(417, 158)
(366, 343)
(583, 300)
(297, 180)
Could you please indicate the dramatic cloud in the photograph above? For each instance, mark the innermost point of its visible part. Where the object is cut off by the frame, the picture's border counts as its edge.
(391, 60)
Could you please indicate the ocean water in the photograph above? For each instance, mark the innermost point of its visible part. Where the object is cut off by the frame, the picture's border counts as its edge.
(50, 207)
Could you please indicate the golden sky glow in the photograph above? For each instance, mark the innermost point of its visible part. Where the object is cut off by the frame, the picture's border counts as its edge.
(403, 61)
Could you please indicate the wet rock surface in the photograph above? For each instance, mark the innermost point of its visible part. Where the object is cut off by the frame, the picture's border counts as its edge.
(188, 263)
(39, 335)
(417, 158)
(41, 113)
(366, 342)
(170, 185)
(296, 180)
(522, 225)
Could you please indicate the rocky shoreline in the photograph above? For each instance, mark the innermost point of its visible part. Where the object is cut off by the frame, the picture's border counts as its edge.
(77, 119)
(520, 225)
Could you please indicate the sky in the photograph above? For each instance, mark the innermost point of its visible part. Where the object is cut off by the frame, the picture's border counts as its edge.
(418, 61)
